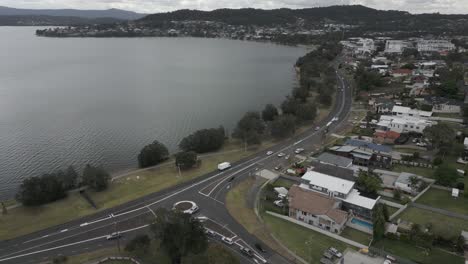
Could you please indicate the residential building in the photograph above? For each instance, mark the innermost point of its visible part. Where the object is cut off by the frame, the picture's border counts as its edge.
(443, 105)
(434, 45)
(386, 137)
(402, 111)
(382, 105)
(316, 209)
(396, 46)
(359, 46)
(403, 182)
(341, 190)
(365, 153)
(335, 171)
(401, 73)
(331, 159)
(403, 124)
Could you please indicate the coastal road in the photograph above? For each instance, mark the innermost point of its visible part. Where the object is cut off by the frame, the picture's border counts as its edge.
(208, 192)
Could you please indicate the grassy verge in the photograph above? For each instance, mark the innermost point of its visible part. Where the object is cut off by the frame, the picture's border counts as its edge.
(392, 210)
(23, 220)
(95, 256)
(418, 254)
(444, 200)
(306, 243)
(425, 172)
(441, 224)
(356, 235)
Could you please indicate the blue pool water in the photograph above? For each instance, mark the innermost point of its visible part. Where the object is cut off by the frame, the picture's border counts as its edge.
(362, 223)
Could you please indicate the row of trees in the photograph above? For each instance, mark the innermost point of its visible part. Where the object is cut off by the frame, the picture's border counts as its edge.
(50, 187)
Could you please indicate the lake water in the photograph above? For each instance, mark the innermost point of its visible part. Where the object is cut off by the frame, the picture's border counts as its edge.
(77, 101)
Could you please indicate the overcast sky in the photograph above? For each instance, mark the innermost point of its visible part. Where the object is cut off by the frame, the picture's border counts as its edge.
(154, 6)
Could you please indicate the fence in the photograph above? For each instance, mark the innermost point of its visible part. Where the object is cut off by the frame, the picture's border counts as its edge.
(414, 164)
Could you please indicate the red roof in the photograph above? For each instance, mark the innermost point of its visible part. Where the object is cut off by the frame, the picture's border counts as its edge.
(387, 134)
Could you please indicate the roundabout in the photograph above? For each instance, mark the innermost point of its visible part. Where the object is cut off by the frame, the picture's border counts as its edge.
(186, 207)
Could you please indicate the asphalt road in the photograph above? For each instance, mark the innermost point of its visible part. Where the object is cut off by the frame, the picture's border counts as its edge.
(208, 192)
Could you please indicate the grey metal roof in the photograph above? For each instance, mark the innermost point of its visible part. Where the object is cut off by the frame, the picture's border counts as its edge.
(369, 145)
(336, 160)
(343, 173)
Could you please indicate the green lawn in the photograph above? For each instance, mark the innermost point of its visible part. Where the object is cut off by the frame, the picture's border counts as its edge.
(24, 220)
(444, 200)
(392, 210)
(356, 235)
(306, 243)
(409, 251)
(283, 183)
(441, 224)
(425, 172)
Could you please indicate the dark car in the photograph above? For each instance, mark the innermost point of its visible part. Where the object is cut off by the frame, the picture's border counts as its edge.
(247, 251)
(259, 247)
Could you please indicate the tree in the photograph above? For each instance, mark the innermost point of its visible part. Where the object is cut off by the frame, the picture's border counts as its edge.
(446, 175)
(269, 113)
(179, 234)
(325, 99)
(138, 244)
(290, 106)
(283, 126)
(307, 111)
(70, 178)
(95, 178)
(300, 93)
(368, 182)
(186, 159)
(249, 128)
(204, 140)
(40, 190)
(4, 209)
(152, 154)
(440, 135)
(379, 221)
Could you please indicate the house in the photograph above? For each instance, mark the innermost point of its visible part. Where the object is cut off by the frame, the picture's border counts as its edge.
(401, 73)
(365, 153)
(443, 105)
(331, 159)
(403, 182)
(434, 45)
(316, 209)
(402, 111)
(403, 124)
(455, 192)
(382, 105)
(396, 46)
(386, 137)
(341, 190)
(335, 171)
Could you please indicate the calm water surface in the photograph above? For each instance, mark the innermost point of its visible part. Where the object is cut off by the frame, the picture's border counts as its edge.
(99, 101)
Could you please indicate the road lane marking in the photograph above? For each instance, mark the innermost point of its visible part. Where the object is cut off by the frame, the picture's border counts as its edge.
(71, 244)
(151, 210)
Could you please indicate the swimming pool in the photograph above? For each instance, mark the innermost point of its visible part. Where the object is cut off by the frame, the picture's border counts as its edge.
(362, 223)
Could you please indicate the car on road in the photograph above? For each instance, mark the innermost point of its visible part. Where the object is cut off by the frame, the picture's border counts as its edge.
(227, 240)
(246, 251)
(269, 152)
(335, 118)
(279, 167)
(281, 154)
(287, 157)
(317, 128)
(114, 236)
(298, 150)
(210, 232)
(335, 252)
(201, 218)
(259, 247)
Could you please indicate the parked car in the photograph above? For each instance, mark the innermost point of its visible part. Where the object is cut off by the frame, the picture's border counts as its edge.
(298, 150)
(328, 254)
(335, 252)
(247, 251)
(287, 157)
(279, 167)
(278, 203)
(227, 240)
(317, 128)
(114, 236)
(210, 232)
(281, 154)
(269, 152)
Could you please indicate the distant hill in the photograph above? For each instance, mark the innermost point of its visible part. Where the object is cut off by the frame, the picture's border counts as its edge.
(365, 17)
(89, 14)
(36, 20)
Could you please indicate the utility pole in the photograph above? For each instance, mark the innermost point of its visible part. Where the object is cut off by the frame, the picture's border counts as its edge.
(178, 167)
(118, 236)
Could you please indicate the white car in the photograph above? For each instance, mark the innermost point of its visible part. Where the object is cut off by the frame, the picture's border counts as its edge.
(113, 236)
(269, 153)
(317, 128)
(299, 150)
(281, 155)
(278, 203)
(227, 240)
(287, 157)
(335, 252)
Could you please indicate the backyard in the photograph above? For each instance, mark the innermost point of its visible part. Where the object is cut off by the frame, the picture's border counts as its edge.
(444, 200)
(425, 172)
(356, 235)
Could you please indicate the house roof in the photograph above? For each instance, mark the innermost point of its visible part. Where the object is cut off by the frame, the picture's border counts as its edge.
(357, 199)
(402, 71)
(281, 190)
(328, 182)
(343, 173)
(315, 203)
(369, 145)
(387, 134)
(436, 100)
(404, 177)
(407, 110)
(343, 148)
(336, 160)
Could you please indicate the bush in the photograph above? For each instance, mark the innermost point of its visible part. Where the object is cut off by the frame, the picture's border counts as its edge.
(186, 160)
(96, 178)
(41, 190)
(437, 161)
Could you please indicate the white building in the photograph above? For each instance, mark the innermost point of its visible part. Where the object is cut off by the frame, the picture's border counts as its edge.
(359, 46)
(396, 46)
(402, 111)
(434, 45)
(403, 124)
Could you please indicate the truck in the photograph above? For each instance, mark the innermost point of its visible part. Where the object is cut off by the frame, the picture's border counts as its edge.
(224, 166)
